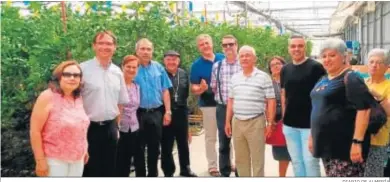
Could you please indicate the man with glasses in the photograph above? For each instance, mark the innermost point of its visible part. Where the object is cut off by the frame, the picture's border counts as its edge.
(220, 77)
(200, 79)
(297, 80)
(103, 94)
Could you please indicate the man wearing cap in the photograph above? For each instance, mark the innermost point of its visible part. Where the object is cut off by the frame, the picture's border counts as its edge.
(155, 104)
(178, 129)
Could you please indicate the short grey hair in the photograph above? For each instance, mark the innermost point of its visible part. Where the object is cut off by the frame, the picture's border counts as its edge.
(382, 53)
(143, 40)
(203, 36)
(247, 48)
(335, 44)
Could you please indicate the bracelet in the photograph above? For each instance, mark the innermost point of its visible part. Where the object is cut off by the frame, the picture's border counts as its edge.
(356, 141)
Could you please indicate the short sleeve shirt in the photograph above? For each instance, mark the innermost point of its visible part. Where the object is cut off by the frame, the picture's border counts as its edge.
(333, 114)
(201, 69)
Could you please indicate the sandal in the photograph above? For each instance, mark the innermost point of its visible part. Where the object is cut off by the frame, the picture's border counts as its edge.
(214, 172)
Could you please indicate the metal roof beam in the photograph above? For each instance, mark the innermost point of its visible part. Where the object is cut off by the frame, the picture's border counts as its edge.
(303, 19)
(302, 8)
(252, 9)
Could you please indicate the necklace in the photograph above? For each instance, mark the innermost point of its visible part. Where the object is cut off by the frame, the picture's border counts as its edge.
(175, 90)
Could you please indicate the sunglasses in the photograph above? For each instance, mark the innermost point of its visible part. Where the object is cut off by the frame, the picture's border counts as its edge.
(228, 45)
(293, 46)
(68, 75)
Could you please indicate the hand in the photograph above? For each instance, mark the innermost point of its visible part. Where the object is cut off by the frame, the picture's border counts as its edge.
(356, 153)
(167, 119)
(42, 168)
(203, 85)
(269, 130)
(228, 130)
(310, 144)
(86, 158)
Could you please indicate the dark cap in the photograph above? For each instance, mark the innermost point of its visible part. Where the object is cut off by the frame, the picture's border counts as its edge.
(171, 53)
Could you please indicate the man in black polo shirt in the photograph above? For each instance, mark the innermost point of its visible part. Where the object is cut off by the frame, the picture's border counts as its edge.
(297, 80)
(178, 129)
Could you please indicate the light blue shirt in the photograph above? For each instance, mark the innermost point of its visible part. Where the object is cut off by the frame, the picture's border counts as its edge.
(153, 80)
(103, 90)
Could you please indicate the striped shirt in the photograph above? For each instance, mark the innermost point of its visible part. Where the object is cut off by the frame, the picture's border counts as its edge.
(225, 74)
(250, 93)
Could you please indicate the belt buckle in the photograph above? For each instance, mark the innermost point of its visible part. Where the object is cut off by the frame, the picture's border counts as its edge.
(101, 123)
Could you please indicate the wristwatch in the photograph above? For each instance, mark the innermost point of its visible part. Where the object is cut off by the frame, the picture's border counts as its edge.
(168, 112)
(356, 141)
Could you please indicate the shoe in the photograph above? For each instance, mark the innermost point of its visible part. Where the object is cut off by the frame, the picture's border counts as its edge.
(214, 172)
(188, 173)
(168, 175)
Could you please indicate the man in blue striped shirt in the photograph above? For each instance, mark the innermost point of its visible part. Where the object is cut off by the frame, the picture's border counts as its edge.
(155, 104)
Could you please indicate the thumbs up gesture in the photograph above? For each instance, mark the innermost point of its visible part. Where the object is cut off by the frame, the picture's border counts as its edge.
(203, 85)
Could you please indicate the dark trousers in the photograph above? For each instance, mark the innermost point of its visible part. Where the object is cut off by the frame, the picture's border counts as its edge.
(102, 144)
(387, 169)
(224, 142)
(177, 130)
(150, 137)
(128, 148)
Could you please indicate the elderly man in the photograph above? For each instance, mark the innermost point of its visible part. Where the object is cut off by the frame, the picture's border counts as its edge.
(104, 88)
(250, 91)
(155, 104)
(178, 129)
(297, 80)
(221, 73)
(200, 80)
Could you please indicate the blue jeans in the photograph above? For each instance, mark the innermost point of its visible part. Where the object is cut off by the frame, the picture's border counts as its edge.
(224, 142)
(304, 164)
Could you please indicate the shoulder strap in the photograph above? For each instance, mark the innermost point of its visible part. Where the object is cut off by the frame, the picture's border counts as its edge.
(219, 81)
(345, 80)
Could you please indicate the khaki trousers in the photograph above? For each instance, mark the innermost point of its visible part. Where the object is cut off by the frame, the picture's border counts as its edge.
(249, 146)
(210, 129)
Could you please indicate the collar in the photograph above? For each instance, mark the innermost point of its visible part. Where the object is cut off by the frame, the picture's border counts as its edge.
(204, 59)
(147, 66)
(235, 61)
(178, 69)
(98, 63)
(254, 72)
(299, 63)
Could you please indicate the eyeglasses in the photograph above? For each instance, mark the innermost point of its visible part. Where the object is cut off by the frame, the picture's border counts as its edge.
(105, 43)
(68, 75)
(228, 45)
(376, 62)
(276, 64)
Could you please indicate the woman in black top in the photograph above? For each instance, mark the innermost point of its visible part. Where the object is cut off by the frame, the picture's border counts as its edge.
(340, 114)
(280, 153)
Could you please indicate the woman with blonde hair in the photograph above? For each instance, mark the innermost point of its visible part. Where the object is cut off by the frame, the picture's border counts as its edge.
(59, 125)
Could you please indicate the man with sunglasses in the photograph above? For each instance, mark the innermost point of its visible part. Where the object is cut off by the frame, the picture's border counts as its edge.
(297, 80)
(200, 80)
(103, 94)
(220, 77)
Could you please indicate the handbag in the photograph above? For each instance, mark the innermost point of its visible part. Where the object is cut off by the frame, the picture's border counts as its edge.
(277, 137)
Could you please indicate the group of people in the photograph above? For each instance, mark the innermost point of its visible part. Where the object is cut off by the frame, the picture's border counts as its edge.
(96, 118)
